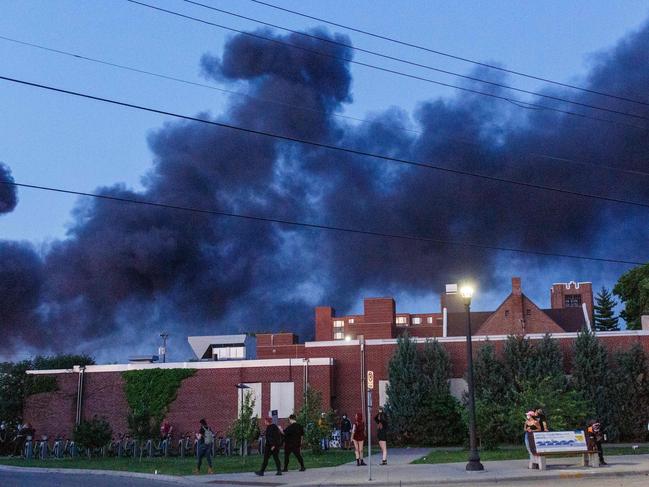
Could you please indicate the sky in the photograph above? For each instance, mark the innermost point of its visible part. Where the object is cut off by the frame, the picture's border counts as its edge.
(55, 140)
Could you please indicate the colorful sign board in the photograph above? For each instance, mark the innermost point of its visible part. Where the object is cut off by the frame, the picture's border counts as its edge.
(560, 441)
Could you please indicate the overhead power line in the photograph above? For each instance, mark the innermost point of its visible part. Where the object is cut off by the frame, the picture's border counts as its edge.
(520, 103)
(82, 57)
(317, 226)
(452, 56)
(322, 145)
(420, 65)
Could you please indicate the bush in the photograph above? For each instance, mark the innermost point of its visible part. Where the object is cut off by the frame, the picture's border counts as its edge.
(246, 426)
(92, 434)
(309, 417)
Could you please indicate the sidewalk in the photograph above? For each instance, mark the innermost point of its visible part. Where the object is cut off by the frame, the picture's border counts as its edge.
(400, 472)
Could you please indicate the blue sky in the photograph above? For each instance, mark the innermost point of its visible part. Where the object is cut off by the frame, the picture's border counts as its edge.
(55, 140)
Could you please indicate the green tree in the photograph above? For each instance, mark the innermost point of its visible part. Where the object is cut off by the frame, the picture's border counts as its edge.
(633, 290)
(309, 417)
(605, 319)
(631, 394)
(591, 375)
(547, 362)
(440, 414)
(404, 392)
(492, 396)
(519, 361)
(246, 426)
(16, 384)
(93, 434)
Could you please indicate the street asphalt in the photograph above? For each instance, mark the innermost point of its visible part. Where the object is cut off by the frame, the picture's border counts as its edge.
(628, 471)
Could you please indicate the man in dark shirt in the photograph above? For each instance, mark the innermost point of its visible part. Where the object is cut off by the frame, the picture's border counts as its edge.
(345, 432)
(292, 441)
(273, 443)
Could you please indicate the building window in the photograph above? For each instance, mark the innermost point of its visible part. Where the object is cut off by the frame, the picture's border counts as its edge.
(429, 320)
(228, 353)
(416, 320)
(339, 335)
(255, 391)
(351, 321)
(282, 395)
(383, 392)
(573, 300)
(528, 312)
(340, 323)
(402, 320)
(506, 313)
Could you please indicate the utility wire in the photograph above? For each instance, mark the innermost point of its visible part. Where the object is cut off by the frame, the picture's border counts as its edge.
(279, 103)
(322, 145)
(452, 56)
(387, 70)
(301, 224)
(419, 65)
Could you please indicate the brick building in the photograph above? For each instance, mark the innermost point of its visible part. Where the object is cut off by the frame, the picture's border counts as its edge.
(335, 363)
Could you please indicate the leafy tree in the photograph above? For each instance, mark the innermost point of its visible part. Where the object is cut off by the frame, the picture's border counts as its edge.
(547, 362)
(435, 368)
(631, 394)
(309, 418)
(93, 434)
(16, 384)
(605, 319)
(633, 290)
(492, 396)
(246, 426)
(591, 375)
(519, 361)
(440, 414)
(404, 392)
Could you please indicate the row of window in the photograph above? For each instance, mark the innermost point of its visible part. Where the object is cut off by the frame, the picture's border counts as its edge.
(282, 395)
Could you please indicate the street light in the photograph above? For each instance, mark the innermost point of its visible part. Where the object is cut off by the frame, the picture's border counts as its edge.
(466, 291)
(241, 387)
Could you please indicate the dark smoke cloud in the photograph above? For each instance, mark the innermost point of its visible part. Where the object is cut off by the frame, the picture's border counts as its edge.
(8, 194)
(127, 271)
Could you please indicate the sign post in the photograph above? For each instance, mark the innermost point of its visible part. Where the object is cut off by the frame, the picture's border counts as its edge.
(370, 386)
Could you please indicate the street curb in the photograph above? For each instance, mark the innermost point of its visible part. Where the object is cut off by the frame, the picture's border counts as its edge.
(493, 480)
(113, 473)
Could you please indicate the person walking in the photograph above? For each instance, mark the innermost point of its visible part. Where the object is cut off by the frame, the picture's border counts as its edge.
(345, 432)
(358, 437)
(273, 443)
(293, 441)
(381, 421)
(205, 438)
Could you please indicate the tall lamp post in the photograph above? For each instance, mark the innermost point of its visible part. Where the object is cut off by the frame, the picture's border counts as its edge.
(474, 464)
(241, 387)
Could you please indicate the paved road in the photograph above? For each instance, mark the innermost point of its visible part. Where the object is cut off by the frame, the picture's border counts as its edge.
(49, 479)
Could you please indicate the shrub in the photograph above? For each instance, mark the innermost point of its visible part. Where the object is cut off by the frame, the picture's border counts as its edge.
(92, 434)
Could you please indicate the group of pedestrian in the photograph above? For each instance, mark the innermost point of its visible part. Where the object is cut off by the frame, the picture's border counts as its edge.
(291, 437)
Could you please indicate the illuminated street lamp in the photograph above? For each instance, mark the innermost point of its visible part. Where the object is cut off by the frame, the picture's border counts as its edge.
(466, 291)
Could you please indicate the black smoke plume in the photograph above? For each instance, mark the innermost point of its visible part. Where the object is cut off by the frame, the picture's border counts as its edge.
(8, 194)
(125, 272)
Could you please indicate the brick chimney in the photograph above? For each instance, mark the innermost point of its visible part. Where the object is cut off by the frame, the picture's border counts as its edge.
(516, 286)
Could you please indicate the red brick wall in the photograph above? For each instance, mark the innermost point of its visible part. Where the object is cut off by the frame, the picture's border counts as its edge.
(209, 394)
(324, 323)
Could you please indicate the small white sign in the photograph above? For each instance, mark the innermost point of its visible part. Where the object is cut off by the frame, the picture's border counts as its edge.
(560, 441)
(370, 379)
